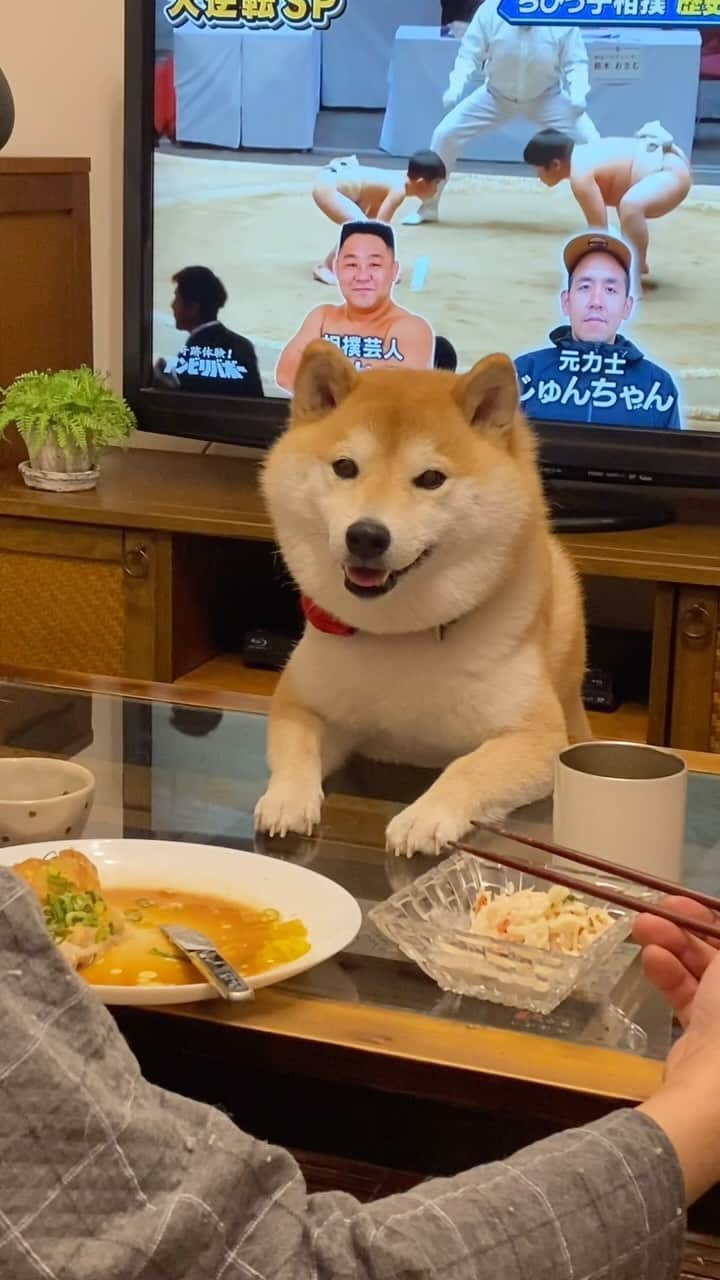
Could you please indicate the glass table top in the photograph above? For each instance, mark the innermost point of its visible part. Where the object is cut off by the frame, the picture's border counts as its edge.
(194, 774)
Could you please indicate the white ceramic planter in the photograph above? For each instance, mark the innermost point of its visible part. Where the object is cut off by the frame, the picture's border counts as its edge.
(59, 470)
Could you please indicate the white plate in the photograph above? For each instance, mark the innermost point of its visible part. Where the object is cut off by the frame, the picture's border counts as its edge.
(331, 916)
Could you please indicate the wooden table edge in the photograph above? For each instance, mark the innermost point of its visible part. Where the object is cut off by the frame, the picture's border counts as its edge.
(185, 694)
(188, 694)
(438, 1044)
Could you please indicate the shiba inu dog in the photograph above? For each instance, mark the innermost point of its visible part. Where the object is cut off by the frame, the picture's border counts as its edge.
(444, 622)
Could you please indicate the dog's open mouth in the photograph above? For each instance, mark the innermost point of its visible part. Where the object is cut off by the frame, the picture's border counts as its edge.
(362, 580)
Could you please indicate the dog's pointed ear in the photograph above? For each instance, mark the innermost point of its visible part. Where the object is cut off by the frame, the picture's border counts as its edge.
(324, 379)
(488, 394)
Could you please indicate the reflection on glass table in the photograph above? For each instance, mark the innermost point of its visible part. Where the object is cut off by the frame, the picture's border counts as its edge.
(195, 774)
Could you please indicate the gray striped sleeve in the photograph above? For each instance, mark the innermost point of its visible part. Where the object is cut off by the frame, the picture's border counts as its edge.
(600, 1203)
(104, 1177)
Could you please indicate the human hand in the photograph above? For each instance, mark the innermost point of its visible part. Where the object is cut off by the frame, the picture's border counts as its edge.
(686, 969)
(673, 960)
(450, 99)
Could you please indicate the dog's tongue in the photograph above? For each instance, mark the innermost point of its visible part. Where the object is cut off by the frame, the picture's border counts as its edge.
(366, 577)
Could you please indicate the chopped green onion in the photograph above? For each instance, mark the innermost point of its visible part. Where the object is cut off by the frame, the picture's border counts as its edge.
(68, 909)
(59, 883)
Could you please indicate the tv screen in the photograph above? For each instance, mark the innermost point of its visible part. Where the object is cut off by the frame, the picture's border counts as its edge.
(420, 183)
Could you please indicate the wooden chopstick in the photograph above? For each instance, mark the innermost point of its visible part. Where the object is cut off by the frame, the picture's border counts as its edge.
(600, 891)
(600, 864)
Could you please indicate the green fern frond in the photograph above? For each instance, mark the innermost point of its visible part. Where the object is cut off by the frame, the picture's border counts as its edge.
(76, 407)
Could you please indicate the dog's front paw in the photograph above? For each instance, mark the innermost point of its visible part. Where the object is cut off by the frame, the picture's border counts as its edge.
(427, 826)
(289, 806)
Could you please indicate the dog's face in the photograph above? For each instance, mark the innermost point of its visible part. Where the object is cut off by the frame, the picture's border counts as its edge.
(399, 498)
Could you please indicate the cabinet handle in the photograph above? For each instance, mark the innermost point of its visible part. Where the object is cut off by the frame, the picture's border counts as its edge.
(135, 562)
(695, 623)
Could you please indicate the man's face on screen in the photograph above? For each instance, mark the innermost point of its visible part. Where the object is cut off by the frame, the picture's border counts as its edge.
(597, 301)
(366, 271)
(185, 313)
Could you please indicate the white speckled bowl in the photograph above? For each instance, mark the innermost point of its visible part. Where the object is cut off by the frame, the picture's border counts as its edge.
(43, 799)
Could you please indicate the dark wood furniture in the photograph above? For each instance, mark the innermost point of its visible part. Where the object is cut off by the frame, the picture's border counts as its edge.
(157, 574)
(46, 320)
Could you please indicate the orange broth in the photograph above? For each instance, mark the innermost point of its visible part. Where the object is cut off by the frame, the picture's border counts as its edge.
(251, 939)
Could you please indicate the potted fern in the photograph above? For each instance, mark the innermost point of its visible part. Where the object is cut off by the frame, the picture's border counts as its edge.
(65, 418)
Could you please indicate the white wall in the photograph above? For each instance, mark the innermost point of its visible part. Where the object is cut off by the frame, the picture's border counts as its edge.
(64, 61)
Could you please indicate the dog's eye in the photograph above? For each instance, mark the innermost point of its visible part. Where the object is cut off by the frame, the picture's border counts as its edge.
(430, 480)
(345, 468)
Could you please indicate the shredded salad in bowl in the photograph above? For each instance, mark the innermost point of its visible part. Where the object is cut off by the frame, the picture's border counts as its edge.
(552, 921)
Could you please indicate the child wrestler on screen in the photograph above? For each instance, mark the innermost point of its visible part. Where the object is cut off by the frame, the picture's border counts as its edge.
(349, 192)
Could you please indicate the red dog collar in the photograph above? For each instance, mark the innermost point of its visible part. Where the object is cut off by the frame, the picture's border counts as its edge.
(323, 621)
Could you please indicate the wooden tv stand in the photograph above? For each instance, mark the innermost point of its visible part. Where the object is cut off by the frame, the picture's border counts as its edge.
(157, 574)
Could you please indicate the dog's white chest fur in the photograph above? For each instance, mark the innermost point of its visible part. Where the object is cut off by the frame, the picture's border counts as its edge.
(421, 699)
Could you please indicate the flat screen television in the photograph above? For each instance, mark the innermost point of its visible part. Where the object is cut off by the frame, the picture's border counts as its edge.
(422, 183)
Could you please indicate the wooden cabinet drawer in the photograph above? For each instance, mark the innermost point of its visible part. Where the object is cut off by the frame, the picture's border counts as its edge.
(83, 598)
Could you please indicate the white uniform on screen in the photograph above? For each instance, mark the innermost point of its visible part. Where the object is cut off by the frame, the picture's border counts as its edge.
(503, 72)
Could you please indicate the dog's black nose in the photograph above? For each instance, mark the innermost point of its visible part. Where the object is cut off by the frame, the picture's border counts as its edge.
(367, 539)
